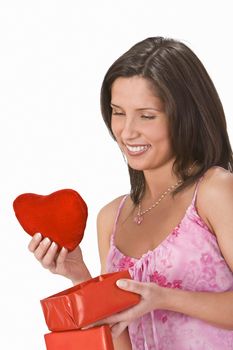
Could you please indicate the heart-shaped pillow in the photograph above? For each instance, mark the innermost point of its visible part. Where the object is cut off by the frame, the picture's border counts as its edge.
(60, 216)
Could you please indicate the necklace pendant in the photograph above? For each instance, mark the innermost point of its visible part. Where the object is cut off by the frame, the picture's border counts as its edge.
(138, 219)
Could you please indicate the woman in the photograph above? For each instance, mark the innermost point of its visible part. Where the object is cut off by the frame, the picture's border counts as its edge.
(174, 232)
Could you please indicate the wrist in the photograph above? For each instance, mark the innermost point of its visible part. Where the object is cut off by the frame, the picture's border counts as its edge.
(161, 298)
(81, 275)
(171, 299)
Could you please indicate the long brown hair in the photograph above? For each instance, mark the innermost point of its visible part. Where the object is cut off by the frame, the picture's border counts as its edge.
(197, 122)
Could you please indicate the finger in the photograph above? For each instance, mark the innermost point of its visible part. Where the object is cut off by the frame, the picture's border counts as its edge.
(118, 328)
(42, 248)
(113, 319)
(129, 314)
(87, 327)
(131, 285)
(62, 256)
(35, 241)
(49, 257)
(99, 323)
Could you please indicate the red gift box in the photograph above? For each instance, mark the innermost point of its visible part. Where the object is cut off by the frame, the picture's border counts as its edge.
(87, 302)
(97, 338)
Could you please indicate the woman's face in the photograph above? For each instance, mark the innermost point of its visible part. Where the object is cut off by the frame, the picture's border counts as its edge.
(140, 124)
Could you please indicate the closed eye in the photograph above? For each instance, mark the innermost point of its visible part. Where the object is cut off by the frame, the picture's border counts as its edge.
(117, 113)
(148, 117)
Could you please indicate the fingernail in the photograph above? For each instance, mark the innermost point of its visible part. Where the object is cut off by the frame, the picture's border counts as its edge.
(53, 245)
(46, 240)
(37, 236)
(87, 327)
(121, 283)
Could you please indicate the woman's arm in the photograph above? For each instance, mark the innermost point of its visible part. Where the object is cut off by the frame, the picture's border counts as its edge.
(214, 308)
(105, 223)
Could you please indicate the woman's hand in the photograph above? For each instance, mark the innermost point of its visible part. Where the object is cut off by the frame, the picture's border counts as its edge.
(61, 262)
(151, 298)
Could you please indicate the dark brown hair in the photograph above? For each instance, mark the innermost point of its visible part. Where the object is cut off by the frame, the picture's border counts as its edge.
(196, 117)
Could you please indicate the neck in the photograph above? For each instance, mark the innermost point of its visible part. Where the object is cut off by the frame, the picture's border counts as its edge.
(158, 180)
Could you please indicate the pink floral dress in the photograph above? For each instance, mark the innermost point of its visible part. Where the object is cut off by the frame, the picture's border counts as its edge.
(189, 259)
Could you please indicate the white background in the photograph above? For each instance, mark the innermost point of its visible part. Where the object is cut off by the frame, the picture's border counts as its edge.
(53, 57)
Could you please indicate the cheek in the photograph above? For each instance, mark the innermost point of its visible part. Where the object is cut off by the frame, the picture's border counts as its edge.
(160, 133)
(155, 134)
(116, 128)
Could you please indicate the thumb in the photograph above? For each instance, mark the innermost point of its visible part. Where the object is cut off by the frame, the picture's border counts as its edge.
(130, 285)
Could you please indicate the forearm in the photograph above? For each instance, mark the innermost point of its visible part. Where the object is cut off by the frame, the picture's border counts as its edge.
(123, 341)
(214, 308)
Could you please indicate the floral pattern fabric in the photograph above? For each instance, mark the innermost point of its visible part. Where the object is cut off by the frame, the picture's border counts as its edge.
(189, 259)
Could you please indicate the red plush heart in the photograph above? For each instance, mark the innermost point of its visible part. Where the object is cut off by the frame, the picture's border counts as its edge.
(61, 216)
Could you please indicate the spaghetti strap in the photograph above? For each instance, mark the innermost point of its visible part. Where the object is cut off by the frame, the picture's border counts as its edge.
(196, 189)
(117, 217)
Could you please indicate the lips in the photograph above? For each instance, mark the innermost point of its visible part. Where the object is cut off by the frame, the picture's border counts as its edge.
(137, 149)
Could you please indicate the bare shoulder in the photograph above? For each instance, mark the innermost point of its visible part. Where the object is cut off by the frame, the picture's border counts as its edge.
(217, 184)
(107, 214)
(216, 202)
(105, 223)
(215, 196)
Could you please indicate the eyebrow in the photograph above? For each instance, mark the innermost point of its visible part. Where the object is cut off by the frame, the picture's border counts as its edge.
(138, 109)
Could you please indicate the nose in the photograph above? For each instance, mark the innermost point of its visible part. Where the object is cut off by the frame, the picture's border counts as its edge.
(129, 129)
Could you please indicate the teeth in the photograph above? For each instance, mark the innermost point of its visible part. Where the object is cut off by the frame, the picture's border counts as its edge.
(136, 148)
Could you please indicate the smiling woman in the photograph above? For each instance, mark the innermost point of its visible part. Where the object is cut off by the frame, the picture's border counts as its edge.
(174, 230)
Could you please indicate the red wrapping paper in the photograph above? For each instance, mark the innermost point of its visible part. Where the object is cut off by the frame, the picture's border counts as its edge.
(97, 338)
(87, 302)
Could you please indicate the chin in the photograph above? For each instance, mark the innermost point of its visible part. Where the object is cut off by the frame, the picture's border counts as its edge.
(146, 166)
(139, 167)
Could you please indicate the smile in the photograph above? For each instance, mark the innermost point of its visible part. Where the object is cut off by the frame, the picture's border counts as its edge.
(136, 150)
